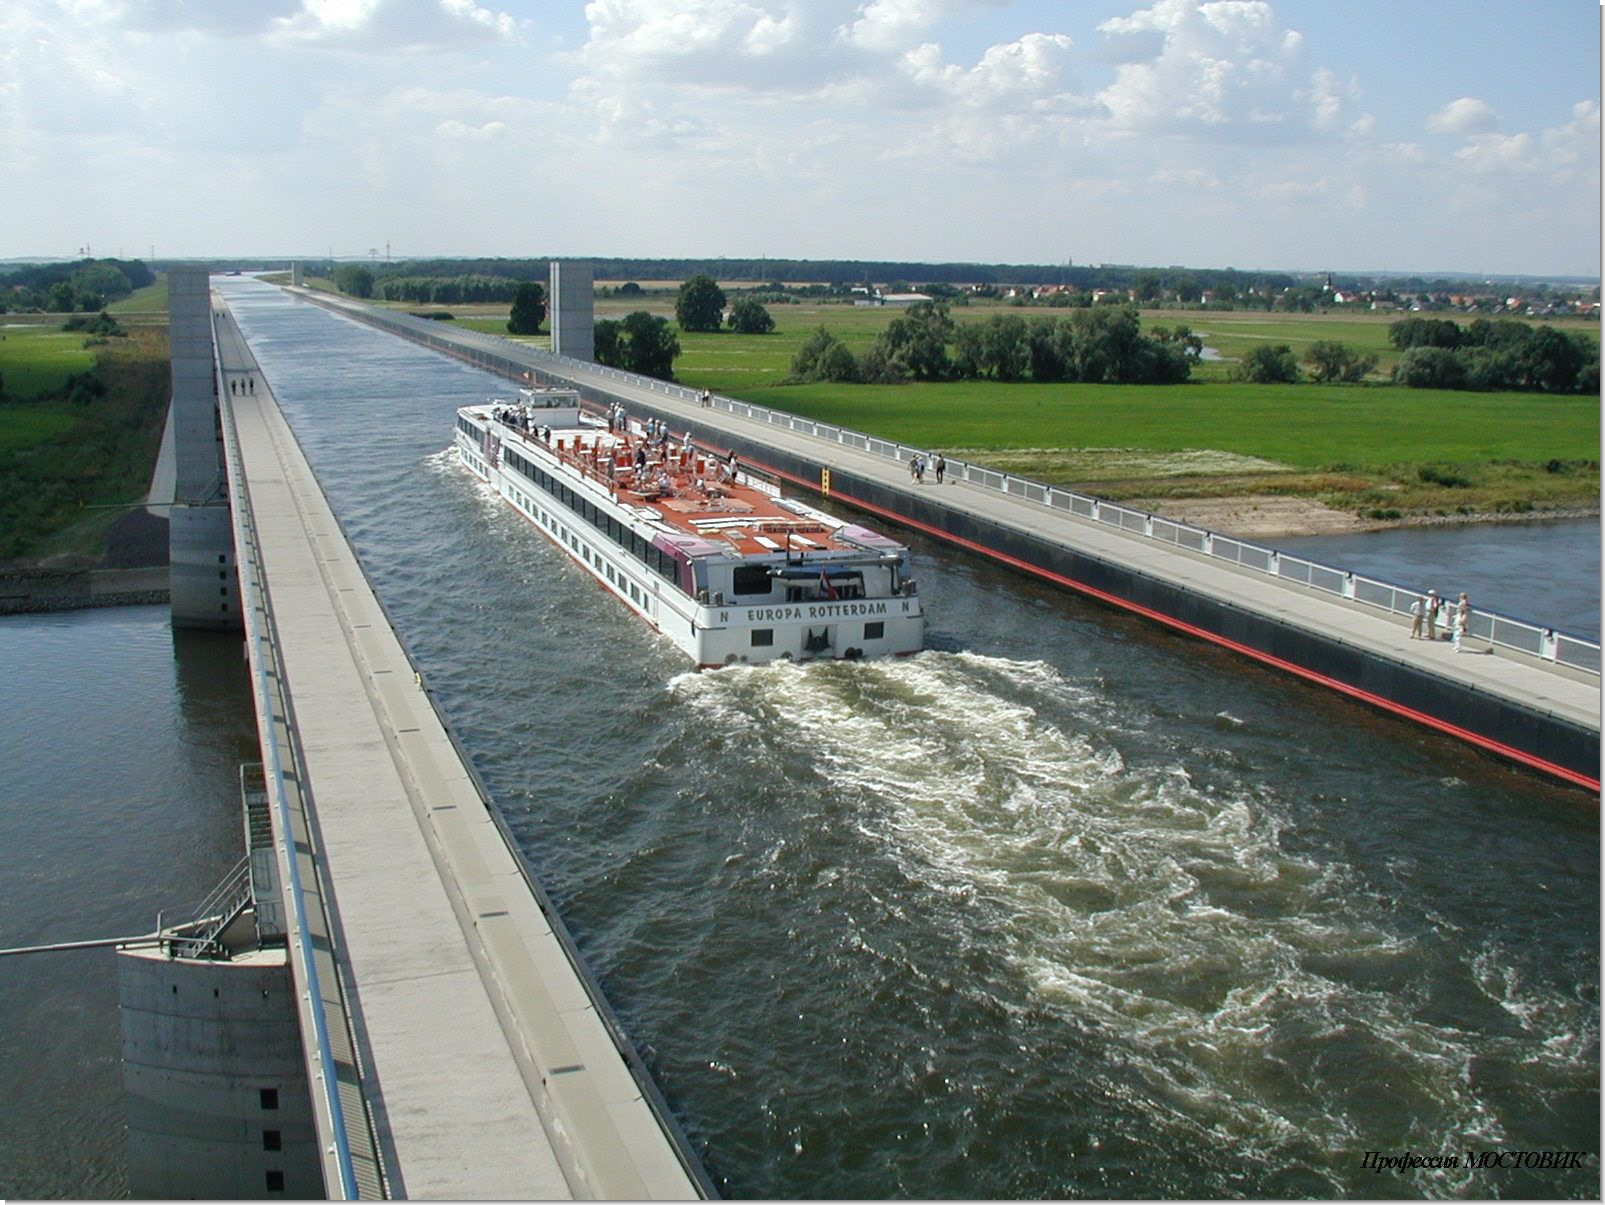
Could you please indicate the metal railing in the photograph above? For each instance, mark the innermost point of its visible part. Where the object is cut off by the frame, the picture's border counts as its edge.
(1505, 631)
(213, 915)
(248, 559)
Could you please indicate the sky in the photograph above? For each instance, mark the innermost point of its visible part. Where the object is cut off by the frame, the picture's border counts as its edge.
(1304, 135)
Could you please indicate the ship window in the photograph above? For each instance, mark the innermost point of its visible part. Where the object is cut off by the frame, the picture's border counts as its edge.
(763, 637)
(272, 1140)
(750, 579)
(875, 631)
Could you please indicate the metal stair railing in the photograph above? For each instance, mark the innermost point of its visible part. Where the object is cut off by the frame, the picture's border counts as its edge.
(213, 915)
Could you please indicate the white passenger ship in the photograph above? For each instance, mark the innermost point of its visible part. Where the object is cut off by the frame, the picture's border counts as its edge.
(709, 555)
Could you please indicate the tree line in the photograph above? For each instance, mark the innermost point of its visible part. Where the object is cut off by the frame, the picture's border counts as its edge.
(83, 286)
(1103, 345)
(1439, 353)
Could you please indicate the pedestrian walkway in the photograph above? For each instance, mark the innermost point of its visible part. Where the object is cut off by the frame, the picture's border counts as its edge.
(487, 1064)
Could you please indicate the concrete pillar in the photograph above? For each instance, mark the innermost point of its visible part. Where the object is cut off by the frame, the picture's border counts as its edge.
(295, 274)
(571, 301)
(214, 1080)
(205, 591)
(189, 332)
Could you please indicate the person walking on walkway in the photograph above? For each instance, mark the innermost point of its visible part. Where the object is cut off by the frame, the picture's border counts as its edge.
(940, 465)
(1433, 606)
(1418, 616)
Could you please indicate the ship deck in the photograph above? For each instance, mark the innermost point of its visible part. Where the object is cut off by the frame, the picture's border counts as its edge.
(685, 488)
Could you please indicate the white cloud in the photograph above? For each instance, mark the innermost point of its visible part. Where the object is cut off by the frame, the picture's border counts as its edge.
(387, 26)
(890, 25)
(1225, 70)
(1468, 115)
(1563, 154)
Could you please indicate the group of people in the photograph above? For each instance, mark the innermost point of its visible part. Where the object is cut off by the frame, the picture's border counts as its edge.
(236, 385)
(938, 465)
(1426, 611)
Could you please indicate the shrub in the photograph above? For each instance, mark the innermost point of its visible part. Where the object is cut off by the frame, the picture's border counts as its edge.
(1268, 364)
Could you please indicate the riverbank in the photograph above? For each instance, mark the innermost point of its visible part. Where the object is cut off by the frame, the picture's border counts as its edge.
(132, 571)
(1268, 516)
(32, 590)
(1256, 498)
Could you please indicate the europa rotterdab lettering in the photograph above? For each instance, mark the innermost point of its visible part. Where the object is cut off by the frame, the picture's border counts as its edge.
(1475, 1160)
(815, 611)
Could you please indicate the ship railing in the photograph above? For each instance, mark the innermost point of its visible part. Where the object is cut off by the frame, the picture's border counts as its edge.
(1508, 632)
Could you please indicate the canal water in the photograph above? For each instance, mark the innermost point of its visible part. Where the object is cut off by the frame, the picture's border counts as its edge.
(1064, 906)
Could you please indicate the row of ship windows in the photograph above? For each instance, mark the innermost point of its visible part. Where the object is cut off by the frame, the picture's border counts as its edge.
(654, 558)
(617, 577)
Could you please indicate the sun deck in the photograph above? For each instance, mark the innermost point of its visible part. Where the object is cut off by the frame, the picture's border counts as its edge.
(688, 490)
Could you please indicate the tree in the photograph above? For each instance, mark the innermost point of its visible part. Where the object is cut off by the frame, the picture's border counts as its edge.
(1189, 344)
(1425, 332)
(650, 346)
(1429, 367)
(529, 309)
(353, 280)
(1330, 360)
(102, 280)
(699, 305)
(1107, 339)
(1267, 364)
(1005, 353)
(747, 317)
(824, 357)
(606, 345)
(1050, 345)
(916, 344)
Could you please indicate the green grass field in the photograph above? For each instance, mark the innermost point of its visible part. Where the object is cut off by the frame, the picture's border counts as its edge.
(58, 458)
(1375, 449)
(37, 356)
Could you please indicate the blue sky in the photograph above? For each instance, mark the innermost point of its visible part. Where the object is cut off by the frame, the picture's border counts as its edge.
(1414, 135)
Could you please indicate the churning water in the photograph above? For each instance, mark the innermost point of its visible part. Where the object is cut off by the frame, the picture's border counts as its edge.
(1064, 906)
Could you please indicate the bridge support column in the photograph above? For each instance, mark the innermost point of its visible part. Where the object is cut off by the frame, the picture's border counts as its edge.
(571, 302)
(205, 590)
(213, 1079)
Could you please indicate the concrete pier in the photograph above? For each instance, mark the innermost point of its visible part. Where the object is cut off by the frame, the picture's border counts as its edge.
(200, 538)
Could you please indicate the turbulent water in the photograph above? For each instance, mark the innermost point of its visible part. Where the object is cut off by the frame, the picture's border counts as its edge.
(1065, 905)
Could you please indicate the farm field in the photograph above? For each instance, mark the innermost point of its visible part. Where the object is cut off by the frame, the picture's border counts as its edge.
(1342, 455)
